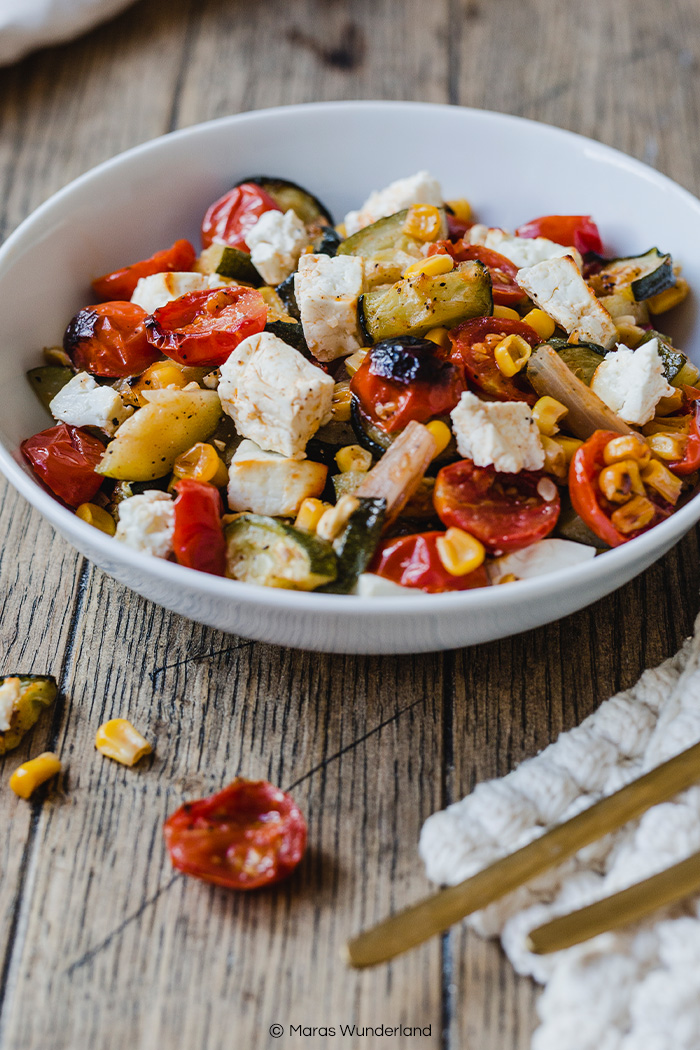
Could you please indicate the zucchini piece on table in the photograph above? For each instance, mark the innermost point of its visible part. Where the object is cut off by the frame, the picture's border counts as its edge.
(645, 275)
(47, 380)
(22, 700)
(229, 262)
(357, 543)
(273, 553)
(417, 303)
(290, 195)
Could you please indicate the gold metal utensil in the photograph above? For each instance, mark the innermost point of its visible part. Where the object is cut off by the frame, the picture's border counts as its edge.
(436, 913)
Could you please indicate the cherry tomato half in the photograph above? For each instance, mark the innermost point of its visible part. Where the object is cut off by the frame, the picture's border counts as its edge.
(504, 511)
(121, 284)
(251, 834)
(110, 340)
(503, 272)
(577, 230)
(391, 405)
(65, 457)
(204, 327)
(473, 344)
(228, 220)
(198, 536)
(589, 502)
(413, 561)
(691, 457)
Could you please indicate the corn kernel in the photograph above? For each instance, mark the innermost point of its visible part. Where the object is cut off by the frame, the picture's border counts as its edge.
(334, 520)
(424, 222)
(201, 463)
(555, 461)
(431, 267)
(570, 445)
(668, 446)
(620, 481)
(119, 740)
(310, 513)
(511, 354)
(547, 412)
(353, 457)
(341, 403)
(660, 478)
(508, 577)
(442, 435)
(460, 552)
(157, 376)
(441, 336)
(627, 446)
(340, 228)
(98, 517)
(461, 209)
(353, 362)
(506, 313)
(30, 775)
(666, 406)
(634, 515)
(541, 322)
(659, 304)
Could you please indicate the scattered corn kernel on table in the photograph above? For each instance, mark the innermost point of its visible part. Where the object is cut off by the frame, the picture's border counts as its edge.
(102, 946)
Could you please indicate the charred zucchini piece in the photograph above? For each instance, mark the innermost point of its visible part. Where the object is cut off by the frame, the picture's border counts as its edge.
(292, 334)
(673, 360)
(328, 241)
(289, 195)
(645, 275)
(357, 543)
(387, 251)
(30, 694)
(581, 358)
(417, 303)
(47, 380)
(369, 436)
(229, 262)
(285, 291)
(345, 484)
(273, 553)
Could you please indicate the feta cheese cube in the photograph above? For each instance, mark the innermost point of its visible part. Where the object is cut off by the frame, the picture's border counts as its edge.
(502, 434)
(327, 290)
(83, 403)
(370, 585)
(558, 288)
(549, 555)
(268, 483)
(160, 288)
(10, 692)
(274, 395)
(276, 241)
(421, 188)
(526, 251)
(146, 523)
(631, 382)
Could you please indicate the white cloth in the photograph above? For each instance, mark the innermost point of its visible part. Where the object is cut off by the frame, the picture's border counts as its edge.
(638, 989)
(28, 24)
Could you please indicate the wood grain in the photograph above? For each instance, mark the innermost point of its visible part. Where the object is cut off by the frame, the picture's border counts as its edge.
(101, 946)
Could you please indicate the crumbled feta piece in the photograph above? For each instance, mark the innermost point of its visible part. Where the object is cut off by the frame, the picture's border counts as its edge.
(421, 188)
(498, 433)
(160, 288)
(146, 523)
(327, 290)
(557, 287)
(268, 483)
(274, 395)
(539, 558)
(631, 382)
(526, 251)
(83, 403)
(369, 585)
(276, 242)
(10, 693)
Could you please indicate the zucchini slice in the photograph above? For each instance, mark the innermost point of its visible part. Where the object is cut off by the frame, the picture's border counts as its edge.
(581, 358)
(357, 543)
(292, 334)
(229, 262)
(417, 303)
(273, 553)
(290, 195)
(387, 251)
(328, 241)
(36, 692)
(645, 275)
(673, 360)
(285, 291)
(47, 380)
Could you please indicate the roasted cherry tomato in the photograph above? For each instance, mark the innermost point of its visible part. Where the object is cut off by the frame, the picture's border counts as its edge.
(65, 458)
(198, 536)
(404, 379)
(413, 561)
(204, 327)
(589, 502)
(504, 511)
(456, 228)
(249, 835)
(473, 344)
(503, 272)
(121, 284)
(577, 230)
(110, 340)
(228, 220)
(691, 457)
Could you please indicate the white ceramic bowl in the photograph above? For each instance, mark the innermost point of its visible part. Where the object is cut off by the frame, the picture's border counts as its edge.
(510, 169)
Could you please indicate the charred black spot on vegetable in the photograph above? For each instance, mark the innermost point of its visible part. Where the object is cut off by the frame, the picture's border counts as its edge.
(407, 359)
(81, 327)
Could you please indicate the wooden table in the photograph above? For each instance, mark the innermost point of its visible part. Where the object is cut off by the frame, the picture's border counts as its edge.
(102, 947)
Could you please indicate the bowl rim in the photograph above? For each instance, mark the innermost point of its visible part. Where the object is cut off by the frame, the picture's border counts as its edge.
(615, 561)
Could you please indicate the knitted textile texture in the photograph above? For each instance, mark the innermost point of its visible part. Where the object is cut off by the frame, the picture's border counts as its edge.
(638, 989)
